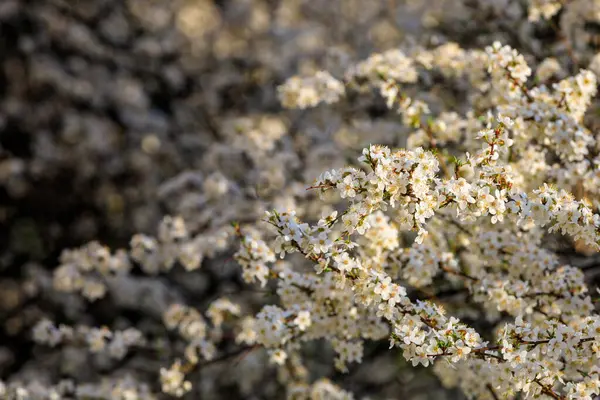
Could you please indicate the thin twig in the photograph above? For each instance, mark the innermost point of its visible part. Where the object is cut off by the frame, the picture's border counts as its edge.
(492, 392)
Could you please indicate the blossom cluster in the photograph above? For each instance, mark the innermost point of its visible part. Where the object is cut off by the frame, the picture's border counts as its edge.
(288, 259)
(86, 270)
(98, 340)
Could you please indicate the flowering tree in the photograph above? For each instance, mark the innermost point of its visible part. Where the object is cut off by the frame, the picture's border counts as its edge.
(446, 242)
